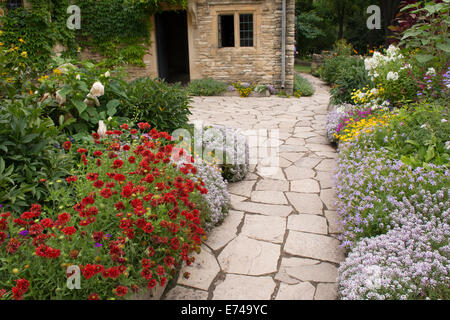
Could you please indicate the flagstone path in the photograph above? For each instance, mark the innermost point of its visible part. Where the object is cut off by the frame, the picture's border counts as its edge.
(279, 239)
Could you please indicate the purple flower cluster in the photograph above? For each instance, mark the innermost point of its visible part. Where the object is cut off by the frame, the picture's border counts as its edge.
(334, 120)
(408, 262)
(271, 89)
(396, 223)
(435, 85)
(368, 182)
(218, 199)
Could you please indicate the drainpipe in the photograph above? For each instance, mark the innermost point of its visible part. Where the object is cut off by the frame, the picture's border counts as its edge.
(283, 44)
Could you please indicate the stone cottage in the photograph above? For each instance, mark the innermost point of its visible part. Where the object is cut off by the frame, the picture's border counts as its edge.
(227, 40)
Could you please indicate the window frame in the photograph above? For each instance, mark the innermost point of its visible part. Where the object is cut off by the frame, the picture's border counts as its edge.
(253, 29)
(237, 27)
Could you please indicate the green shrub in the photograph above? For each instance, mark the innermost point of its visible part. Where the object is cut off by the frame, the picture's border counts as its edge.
(27, 153)
(302, 87)
(164, 106)
(418, 135)
(333, 67)
(347, 80)
(206, 87)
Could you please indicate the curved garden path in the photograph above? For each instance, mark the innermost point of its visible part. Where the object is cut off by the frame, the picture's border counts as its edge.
(279, 239)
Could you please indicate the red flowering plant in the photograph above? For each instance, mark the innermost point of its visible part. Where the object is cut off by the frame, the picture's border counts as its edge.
(137, 217)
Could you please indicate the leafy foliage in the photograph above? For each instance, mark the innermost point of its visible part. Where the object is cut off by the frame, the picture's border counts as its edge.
(164, 106)
(302, 87)
(418, 135)
(206, 87)
(41, 26)
(430, 32)
(27, 153)
(69, 97)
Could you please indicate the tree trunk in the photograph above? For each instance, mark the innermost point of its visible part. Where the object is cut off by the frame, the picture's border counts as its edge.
(341, 11)
(389, 9)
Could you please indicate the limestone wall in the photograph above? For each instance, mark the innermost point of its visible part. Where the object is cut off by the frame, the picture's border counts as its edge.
(261, 63)
(258, 64)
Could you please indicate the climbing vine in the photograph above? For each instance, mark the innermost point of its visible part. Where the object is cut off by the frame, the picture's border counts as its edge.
(38, 28)
(117, 29)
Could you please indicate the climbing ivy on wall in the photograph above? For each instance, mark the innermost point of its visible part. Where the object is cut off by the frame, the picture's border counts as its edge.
(37, 29)
(118, 29)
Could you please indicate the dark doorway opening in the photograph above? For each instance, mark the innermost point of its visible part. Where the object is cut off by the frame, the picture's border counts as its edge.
(172, 46)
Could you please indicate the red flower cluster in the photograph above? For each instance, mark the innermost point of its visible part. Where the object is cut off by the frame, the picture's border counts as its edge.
(47, 252)
(141, 204)
(71, 179)
(20, 289)
(67, 145)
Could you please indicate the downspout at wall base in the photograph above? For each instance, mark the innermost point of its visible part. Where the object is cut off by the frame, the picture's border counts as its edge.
(283, 44)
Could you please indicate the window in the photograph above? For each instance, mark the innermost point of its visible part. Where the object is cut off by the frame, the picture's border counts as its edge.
(246, 29)
(13, 4)
(226, 31)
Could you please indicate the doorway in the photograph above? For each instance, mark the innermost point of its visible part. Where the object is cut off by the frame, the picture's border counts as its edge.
(171, 28)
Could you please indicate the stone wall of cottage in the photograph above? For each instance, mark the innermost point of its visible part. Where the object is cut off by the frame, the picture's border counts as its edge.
(260, 64)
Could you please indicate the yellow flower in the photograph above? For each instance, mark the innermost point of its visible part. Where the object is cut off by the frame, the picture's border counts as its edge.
(57, 71)
(1, 44)
(24, 54)
(21, 40)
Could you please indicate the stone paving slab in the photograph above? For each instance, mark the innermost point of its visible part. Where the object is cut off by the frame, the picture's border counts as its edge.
(226, 232)
(279, 239)
(314, 246)
(202, 271)
(249, 257)
(266, 228)
(183, 293)
(301, 291)
(239, 287)
(265, 209)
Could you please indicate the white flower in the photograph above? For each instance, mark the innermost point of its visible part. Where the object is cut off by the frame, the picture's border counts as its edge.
(101, 128)
(341, 109)
(447, 145)
(431, 72)
(61, 100)
(392, 76)
(78, 77)
(423, 126)
(443, 120)
(109, 118)
(107, 74)
(90, 99)
(97, 89)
